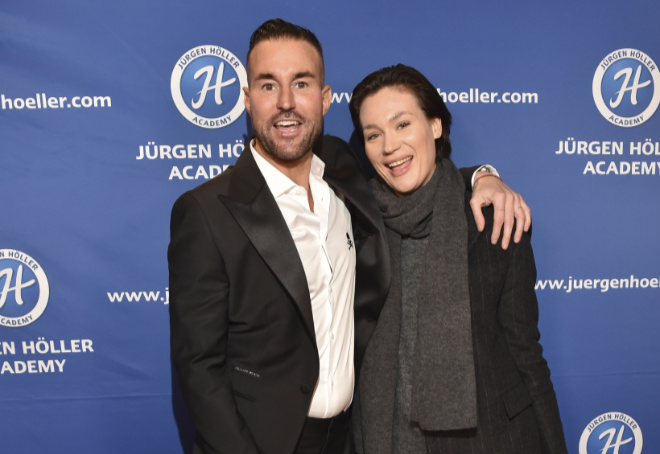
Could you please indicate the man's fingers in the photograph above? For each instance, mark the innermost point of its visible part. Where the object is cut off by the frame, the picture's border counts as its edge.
(509, 209)
(520, 223)
(509, 218)
(523, 216)
(528, 214)
(478, 215)
(498, 217)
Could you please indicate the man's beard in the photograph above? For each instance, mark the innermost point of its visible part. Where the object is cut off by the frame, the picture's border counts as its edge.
(288, 150)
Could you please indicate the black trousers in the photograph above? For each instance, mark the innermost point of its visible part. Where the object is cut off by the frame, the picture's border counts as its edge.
(326, 436)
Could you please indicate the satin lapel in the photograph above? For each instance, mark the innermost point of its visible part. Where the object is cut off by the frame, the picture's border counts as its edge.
(252, 205)
(359, 196)
(344, 176)
(373, 260)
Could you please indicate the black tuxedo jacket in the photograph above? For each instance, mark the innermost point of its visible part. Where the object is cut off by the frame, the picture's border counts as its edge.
(242, 333)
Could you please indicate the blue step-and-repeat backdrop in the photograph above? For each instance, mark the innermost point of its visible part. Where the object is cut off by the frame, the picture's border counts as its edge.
(103, 124)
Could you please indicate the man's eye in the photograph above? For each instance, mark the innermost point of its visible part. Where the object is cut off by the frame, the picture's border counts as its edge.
(301, 84)
(403, 124)
(267, 87)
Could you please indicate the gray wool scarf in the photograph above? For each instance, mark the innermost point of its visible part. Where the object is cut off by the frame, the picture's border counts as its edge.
(443, 395)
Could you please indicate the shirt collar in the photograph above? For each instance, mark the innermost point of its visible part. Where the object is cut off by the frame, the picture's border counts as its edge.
(277, 182)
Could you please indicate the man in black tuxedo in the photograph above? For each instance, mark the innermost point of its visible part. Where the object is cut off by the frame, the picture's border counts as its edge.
(276, 268)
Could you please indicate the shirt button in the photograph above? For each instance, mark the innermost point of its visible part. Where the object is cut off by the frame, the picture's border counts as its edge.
(304, 389)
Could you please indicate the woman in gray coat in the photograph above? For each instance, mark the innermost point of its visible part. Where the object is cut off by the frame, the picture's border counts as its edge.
(455, 364)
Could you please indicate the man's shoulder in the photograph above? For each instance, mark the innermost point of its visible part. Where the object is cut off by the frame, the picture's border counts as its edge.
(212, 186)
(242, 175)
(207, 194)
(336, 152)
(334, 142)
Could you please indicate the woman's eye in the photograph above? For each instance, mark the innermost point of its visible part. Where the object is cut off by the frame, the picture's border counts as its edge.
(371, 137)
(403, 124)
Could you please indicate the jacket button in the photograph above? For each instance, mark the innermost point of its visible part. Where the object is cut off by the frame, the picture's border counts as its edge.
(304, 389)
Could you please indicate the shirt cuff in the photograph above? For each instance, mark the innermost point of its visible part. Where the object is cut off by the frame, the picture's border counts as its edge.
(484, 168)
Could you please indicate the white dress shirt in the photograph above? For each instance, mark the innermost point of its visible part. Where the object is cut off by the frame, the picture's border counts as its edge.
(324, 240)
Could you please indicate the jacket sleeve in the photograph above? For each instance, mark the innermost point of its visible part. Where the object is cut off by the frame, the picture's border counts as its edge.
(199, 292)
(466, 173)
(518, 315)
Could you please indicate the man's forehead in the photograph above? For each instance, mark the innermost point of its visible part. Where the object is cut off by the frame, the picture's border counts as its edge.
(293, 49)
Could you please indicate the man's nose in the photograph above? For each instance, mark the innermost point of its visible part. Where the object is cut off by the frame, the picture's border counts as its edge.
(286, 99)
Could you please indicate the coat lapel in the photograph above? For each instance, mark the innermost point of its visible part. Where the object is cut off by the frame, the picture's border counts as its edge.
(248, 199)
(343, 174)
(373, 260)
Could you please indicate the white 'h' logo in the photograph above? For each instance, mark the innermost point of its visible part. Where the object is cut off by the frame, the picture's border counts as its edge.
(624, 87)
(610, 433)
(208, 70)
(8, 273)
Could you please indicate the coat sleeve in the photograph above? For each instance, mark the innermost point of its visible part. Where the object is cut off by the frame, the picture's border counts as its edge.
(518, 315)
(199, 292)
(466, 173)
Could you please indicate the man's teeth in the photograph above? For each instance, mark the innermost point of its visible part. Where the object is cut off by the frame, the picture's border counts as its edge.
(287, 123)
(399, 162)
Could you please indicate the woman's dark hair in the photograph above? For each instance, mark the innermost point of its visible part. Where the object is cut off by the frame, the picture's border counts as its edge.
(406, 78)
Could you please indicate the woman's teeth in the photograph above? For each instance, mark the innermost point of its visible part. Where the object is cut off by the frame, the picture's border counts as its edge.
(399, 162)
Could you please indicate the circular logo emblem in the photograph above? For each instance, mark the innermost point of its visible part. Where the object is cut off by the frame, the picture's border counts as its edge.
(206, 86)
(612, 432)
(24, 289)
(626, 87)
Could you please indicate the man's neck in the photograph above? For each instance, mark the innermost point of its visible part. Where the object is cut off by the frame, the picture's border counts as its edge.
(297, 171)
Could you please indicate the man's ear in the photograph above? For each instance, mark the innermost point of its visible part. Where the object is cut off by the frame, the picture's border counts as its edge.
(326, 92)
(246, 99)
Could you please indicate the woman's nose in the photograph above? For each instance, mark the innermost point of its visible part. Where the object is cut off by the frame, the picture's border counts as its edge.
(391, 143)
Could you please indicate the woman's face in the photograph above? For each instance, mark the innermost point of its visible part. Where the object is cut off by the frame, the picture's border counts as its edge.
(399, 139)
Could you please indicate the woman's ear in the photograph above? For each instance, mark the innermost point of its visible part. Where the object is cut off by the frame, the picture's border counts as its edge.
(436, 126)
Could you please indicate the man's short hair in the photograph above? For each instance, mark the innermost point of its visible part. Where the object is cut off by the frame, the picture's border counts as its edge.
(280, 29)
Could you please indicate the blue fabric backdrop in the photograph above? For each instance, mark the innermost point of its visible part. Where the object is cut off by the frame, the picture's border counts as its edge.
(95, 149)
